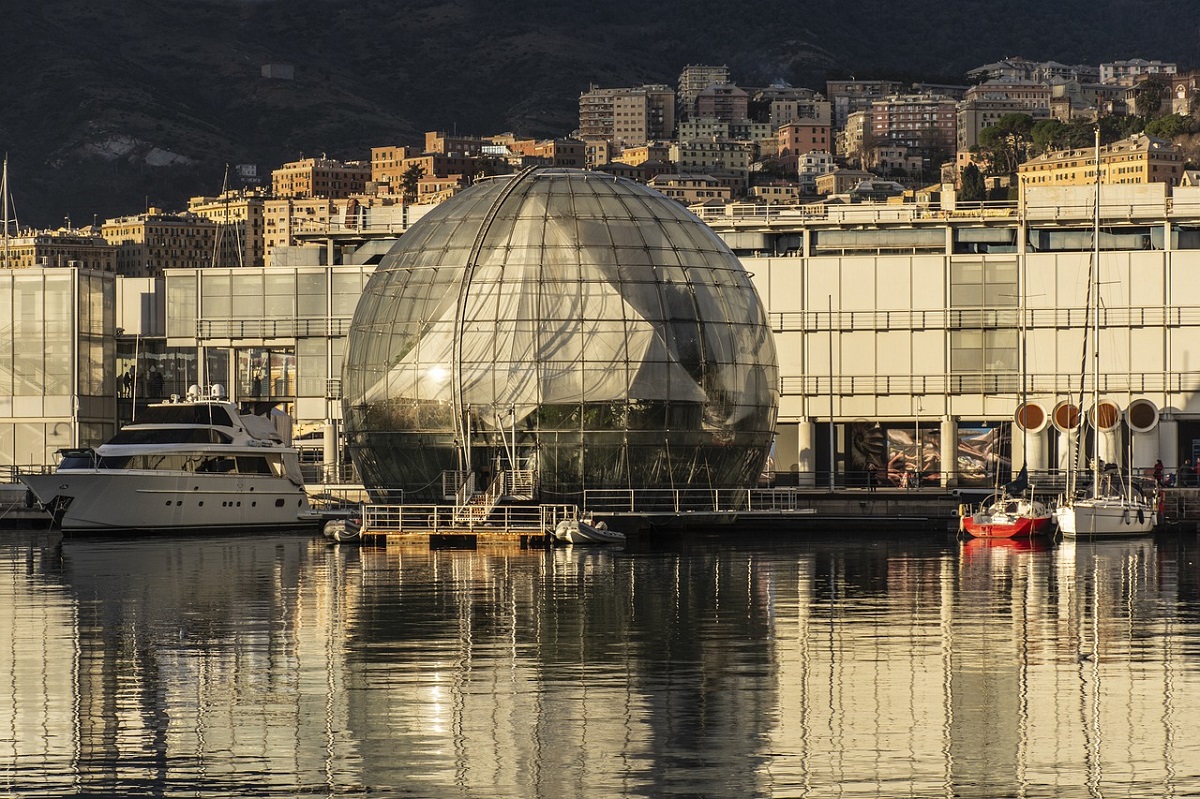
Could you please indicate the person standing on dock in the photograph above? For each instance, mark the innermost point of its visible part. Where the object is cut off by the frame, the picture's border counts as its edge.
(872, 475)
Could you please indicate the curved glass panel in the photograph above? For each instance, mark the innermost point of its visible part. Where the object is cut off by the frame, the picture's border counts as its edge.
(575, 323)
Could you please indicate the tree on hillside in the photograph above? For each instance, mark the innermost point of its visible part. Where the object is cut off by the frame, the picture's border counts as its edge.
(1007, 142)
(1150, 96)
(1171, 125)
(1049, 135)
(410, 181)
(973, 186)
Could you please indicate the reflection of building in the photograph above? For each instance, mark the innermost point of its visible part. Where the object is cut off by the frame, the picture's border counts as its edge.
(586, 326)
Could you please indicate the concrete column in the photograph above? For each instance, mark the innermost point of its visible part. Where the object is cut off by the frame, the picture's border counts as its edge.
(787, 447)
(329, 454)
(1034, 454)
(1146, 452)
(1168, 442)
(1110, 448)
(949, 451)
(806, 453)
(1067, 443)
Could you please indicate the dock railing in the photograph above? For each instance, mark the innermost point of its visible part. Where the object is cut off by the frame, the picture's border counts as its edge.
(435, 519)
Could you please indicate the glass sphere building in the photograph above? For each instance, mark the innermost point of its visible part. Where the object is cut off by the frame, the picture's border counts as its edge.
(573, 323)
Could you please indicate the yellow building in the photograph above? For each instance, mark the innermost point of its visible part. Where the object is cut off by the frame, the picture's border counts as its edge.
(320, 177)
(148, 243)
(75, 248)
(1138, 159)
(238, 215)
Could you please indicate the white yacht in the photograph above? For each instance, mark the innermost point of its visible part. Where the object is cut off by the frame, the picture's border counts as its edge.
(187, 464)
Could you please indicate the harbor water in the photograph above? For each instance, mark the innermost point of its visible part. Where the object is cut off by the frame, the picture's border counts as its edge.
(845, 664)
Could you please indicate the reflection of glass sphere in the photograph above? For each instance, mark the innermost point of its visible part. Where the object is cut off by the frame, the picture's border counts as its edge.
(579, 324)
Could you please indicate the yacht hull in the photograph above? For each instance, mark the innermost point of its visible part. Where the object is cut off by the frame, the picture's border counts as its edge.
(98, 500)
(1105, 518)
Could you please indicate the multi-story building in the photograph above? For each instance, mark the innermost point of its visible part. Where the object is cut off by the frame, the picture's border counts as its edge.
(148, 243)
(800, 136)
(636, 156)
(985, 104)
(778, 105)
(569, 153)
(922, 124)
(810, 166)
(841, 181)
(854, 139)
(724, 102)
(713, 156)
(777, 192)
(447, 144)
(849, 96)
(597, 153)
(320, 177)
(627, 117)
(83, 249)
(387, 164)
(1127, 73)
(1138, 159)
(240, 232)
(691, 189)
(1022, 69)
(694, 79)
(894, 324)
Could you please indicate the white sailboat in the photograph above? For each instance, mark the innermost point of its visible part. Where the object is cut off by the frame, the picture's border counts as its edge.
(1112, 509)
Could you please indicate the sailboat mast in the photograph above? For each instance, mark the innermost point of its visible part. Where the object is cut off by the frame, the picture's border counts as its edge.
(4, 201)
(1095, 294)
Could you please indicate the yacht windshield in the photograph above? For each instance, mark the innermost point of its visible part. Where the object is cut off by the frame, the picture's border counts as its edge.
(170, 435)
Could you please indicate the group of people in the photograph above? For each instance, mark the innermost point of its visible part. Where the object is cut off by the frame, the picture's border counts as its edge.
(147, 384)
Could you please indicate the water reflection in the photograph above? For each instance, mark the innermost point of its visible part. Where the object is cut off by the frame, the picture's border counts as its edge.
(852, 665)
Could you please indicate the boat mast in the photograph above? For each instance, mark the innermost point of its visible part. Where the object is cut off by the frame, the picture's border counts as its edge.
(1094, 293)
(4, 201)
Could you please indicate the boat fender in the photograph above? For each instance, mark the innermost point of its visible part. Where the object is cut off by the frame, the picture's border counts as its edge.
(1125, 516)
(1141, 516)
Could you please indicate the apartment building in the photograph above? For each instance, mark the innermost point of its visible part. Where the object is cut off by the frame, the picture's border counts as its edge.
(320, 177)
(854, 138)
(802, 136)
(849, 96)
(724, 102)
(83, 249)
(636, 156)
(694, 79)
(691, 189)
(240, 225)
(1138, 159)
(148, 243)
(779, 105)
(713, 156)
(812, 165)
(627, 116)
(568, 153)
(925, 125)
(447, 144)
(1022, 69)
(982, 106)
(1127, 73)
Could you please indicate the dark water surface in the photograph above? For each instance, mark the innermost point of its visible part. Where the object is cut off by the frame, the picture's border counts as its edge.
(839, 665)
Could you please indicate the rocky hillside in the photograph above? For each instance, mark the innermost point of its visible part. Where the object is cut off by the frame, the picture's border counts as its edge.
(107, 107)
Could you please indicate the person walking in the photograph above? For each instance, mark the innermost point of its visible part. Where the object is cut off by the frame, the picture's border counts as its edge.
(1158, 473)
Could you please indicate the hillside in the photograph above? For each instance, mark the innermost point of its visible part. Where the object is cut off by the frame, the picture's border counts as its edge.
(106, 107)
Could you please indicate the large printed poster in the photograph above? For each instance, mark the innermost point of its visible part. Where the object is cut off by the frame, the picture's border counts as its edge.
(901, 461)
